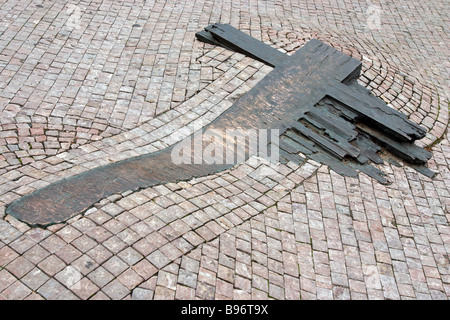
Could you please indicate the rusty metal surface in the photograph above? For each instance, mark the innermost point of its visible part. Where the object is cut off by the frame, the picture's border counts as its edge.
(311, 97)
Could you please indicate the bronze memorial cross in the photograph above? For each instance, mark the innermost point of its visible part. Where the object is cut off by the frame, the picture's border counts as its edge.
(311, 97)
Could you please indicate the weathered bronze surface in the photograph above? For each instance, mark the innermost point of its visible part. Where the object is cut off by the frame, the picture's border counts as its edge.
(311, 97)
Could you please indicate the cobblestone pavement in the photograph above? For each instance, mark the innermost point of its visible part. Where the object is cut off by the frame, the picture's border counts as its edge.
(87, 83)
